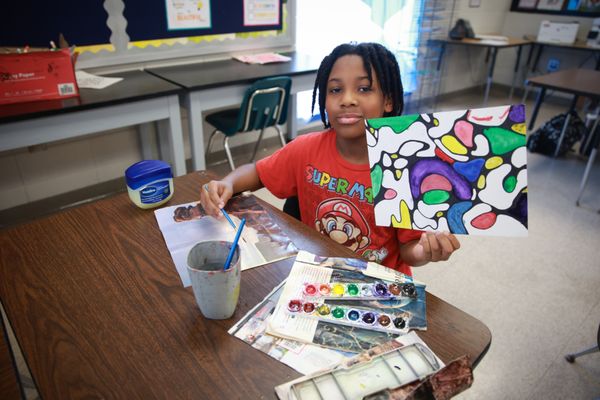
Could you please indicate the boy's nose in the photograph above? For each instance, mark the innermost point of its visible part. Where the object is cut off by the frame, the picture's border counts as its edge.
(349, 99)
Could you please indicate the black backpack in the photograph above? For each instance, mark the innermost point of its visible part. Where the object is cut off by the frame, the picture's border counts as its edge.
(545, 139)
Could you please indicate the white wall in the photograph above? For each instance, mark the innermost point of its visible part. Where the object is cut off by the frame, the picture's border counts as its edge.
(464, 66)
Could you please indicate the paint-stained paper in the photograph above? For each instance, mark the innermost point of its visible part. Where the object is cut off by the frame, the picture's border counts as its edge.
(458, 171)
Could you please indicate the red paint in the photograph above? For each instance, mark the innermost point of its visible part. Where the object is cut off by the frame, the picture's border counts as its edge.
(443, 156)
(295, 305)
(484, 221)
(309, 307)
(435, 182)
(310, 289)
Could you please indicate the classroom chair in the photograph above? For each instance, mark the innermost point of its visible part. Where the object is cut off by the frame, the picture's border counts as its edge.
(264, 105)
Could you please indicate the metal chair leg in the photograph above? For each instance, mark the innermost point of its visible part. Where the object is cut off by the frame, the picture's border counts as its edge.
(228, 151)
(210, 139)
(571, 357)
(262, 131)
(281, 137)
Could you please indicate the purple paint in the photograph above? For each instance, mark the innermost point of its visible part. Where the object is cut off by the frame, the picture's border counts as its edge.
(517, 113)
(423, 168)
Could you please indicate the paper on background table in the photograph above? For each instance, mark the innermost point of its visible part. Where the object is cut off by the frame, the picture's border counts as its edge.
(460, 171)
(264, 58)
(90, 81)
(262, 240)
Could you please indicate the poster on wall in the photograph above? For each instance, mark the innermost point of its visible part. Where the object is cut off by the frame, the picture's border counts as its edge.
(188, 14)
(463, 171)
(261, 12)
(554, 5)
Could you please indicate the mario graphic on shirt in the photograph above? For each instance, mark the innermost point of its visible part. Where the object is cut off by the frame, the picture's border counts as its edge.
(339, 219)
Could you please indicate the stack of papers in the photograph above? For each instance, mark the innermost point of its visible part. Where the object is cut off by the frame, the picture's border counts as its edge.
(264, 58)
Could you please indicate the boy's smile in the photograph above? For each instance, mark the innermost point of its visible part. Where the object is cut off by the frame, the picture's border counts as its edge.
(351, 98)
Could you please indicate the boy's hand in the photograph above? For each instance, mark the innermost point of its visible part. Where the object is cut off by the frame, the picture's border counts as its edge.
(437, 246)
(214, 195)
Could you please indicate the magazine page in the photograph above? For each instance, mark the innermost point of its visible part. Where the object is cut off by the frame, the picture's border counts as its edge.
(337, 336)
(304, 358)
(262, 240)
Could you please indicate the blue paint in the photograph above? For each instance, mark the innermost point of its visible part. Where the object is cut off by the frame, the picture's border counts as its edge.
(470, 169)
(455, 214)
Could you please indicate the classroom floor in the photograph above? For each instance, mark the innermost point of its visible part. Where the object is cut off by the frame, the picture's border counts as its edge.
(539, 295)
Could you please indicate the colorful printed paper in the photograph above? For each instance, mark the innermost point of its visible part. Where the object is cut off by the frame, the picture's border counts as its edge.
(459, 171)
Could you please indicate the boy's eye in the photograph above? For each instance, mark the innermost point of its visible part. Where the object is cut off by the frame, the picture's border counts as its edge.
(334, 90)
(365, 89)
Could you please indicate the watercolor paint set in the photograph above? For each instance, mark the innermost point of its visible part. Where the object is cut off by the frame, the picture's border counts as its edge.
(391, 369)
(359, 291)
(397, 323)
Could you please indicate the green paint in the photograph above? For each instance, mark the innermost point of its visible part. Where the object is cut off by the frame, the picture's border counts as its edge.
(398, 124)
(435, 197)
(338, 312)
(510, 184)
(352, 289)
(503, 140)
(376, 178)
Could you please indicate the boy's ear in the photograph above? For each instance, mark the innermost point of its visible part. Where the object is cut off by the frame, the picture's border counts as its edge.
(388, 105)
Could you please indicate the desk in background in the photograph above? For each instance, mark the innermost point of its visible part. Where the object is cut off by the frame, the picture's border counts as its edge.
(139, 98)
(578, 82)
(99, 310)
(492, 50)
(577, 46)
(223, 83)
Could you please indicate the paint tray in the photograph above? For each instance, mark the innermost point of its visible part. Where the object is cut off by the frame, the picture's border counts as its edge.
(385, 371)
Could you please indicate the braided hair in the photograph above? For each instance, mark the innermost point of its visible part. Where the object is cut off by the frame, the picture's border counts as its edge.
(374, 56)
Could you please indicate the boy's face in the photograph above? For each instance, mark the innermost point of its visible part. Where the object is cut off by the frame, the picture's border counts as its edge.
(351, 98)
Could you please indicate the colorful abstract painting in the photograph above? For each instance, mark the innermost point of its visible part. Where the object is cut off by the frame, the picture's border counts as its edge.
(459, 171)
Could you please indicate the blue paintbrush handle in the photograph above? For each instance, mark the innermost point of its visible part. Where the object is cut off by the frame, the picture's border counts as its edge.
(234, 244)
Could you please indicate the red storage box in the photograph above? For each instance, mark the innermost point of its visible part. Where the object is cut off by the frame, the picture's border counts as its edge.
(39, 75)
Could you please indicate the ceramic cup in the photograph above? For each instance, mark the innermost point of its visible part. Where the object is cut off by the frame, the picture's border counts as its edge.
(216, 290)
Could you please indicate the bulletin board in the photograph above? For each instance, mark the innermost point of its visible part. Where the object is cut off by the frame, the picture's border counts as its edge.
(132, 33)
(580, 8)
(35, 23)
(149, 20)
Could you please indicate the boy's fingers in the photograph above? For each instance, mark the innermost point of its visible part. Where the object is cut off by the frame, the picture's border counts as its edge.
(435, 246)
(446, 246)
(426, 246)
(454, 240)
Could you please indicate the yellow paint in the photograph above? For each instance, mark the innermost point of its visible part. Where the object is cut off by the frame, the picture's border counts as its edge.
(493, 162)
(394, 156)
(481, 182)
(453, 145)
(524, 190)
(404, 217)
(337, 289)
(436, 122)
(439, 214)
(519, 128)
(398, 174)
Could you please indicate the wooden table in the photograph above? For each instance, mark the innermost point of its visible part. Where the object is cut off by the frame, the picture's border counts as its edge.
(492, 47)
(139, 99)
(214, 84)
(99, 310)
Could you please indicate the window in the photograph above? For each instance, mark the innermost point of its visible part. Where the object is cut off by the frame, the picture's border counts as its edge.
(323, 24)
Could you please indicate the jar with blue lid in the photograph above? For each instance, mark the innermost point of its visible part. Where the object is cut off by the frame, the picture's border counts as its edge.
(149, 183)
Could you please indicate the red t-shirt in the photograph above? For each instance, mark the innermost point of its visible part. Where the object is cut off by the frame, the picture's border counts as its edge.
(335, 197)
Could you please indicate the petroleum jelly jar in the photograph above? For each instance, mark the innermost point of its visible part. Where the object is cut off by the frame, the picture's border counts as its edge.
(149, 183)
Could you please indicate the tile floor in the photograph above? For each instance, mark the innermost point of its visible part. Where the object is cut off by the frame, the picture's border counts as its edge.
(540, 295)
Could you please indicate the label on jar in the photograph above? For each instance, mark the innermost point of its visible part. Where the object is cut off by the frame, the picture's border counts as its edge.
(155, 192)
